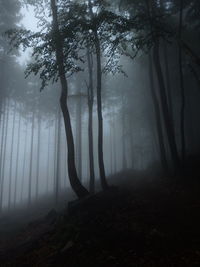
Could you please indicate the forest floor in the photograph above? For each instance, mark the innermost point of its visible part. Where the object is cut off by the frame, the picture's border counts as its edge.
(141, 222)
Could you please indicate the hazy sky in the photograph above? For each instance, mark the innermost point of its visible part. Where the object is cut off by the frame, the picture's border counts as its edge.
(30, 23)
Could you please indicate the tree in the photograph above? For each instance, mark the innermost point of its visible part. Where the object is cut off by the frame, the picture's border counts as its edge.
(90, 96)
(53, 61)
(99, 99)
(75, 183)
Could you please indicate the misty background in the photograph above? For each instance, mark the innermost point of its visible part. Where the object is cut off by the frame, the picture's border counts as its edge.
(33, 154)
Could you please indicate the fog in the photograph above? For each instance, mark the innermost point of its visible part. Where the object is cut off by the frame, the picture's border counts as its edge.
(95, 94)
(33, 142)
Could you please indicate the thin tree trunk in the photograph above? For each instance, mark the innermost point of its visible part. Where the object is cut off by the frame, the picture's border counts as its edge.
(111, 151)
(38, 156)
(11, 157)
(48, 159)
(79, 136)
(4, 152)
(182, 113)
(31, 161)
(90, 122)
(65, 168)
(17, 159)
(58, 166)
(24, 163)
(131, 144)
(100, 118)
(78, 188)
(55, 153)
(114, 147)
(99, 104)
(124, 162)
(168, 84)
(2, 138)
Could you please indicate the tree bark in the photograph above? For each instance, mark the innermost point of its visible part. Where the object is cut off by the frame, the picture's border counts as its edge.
(163, 156)
(11, 158)
(4, 143)
(24, 162)
(38, 156)
(79, 135)
(100, 117)
(3, 118)
(99, 103)
(58, 165)
(17, 159)
(124, 161)
(90, 96)
(78, 188)
(31, 160)
(48, 158)
(166, 116)
(182, 112)
(168, 84)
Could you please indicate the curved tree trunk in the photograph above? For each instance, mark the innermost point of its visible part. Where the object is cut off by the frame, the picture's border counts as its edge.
(78, 188)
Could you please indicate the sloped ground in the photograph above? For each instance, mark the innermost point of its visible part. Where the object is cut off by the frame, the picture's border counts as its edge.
(142, 224)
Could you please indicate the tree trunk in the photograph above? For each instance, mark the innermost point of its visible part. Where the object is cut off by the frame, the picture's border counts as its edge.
(58, 166)
(3, 111)
(99, 113)
(17, 159)
(38, 156)
(114, 147)
(79, 136)
(182, 113)
(163, 156)
(195, 74)
(151, 9)
(90, 122)
(131, 143)
(124, 162)
(31, 161)
(11, 158)
(48, 159)
(168, 84)
(99, 103)
(24, 162)
(111, 149)
(73, 177)
(3, 147)
(166, 116)
(55, 152)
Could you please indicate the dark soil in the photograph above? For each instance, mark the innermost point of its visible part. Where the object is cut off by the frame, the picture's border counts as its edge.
(146, 223)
